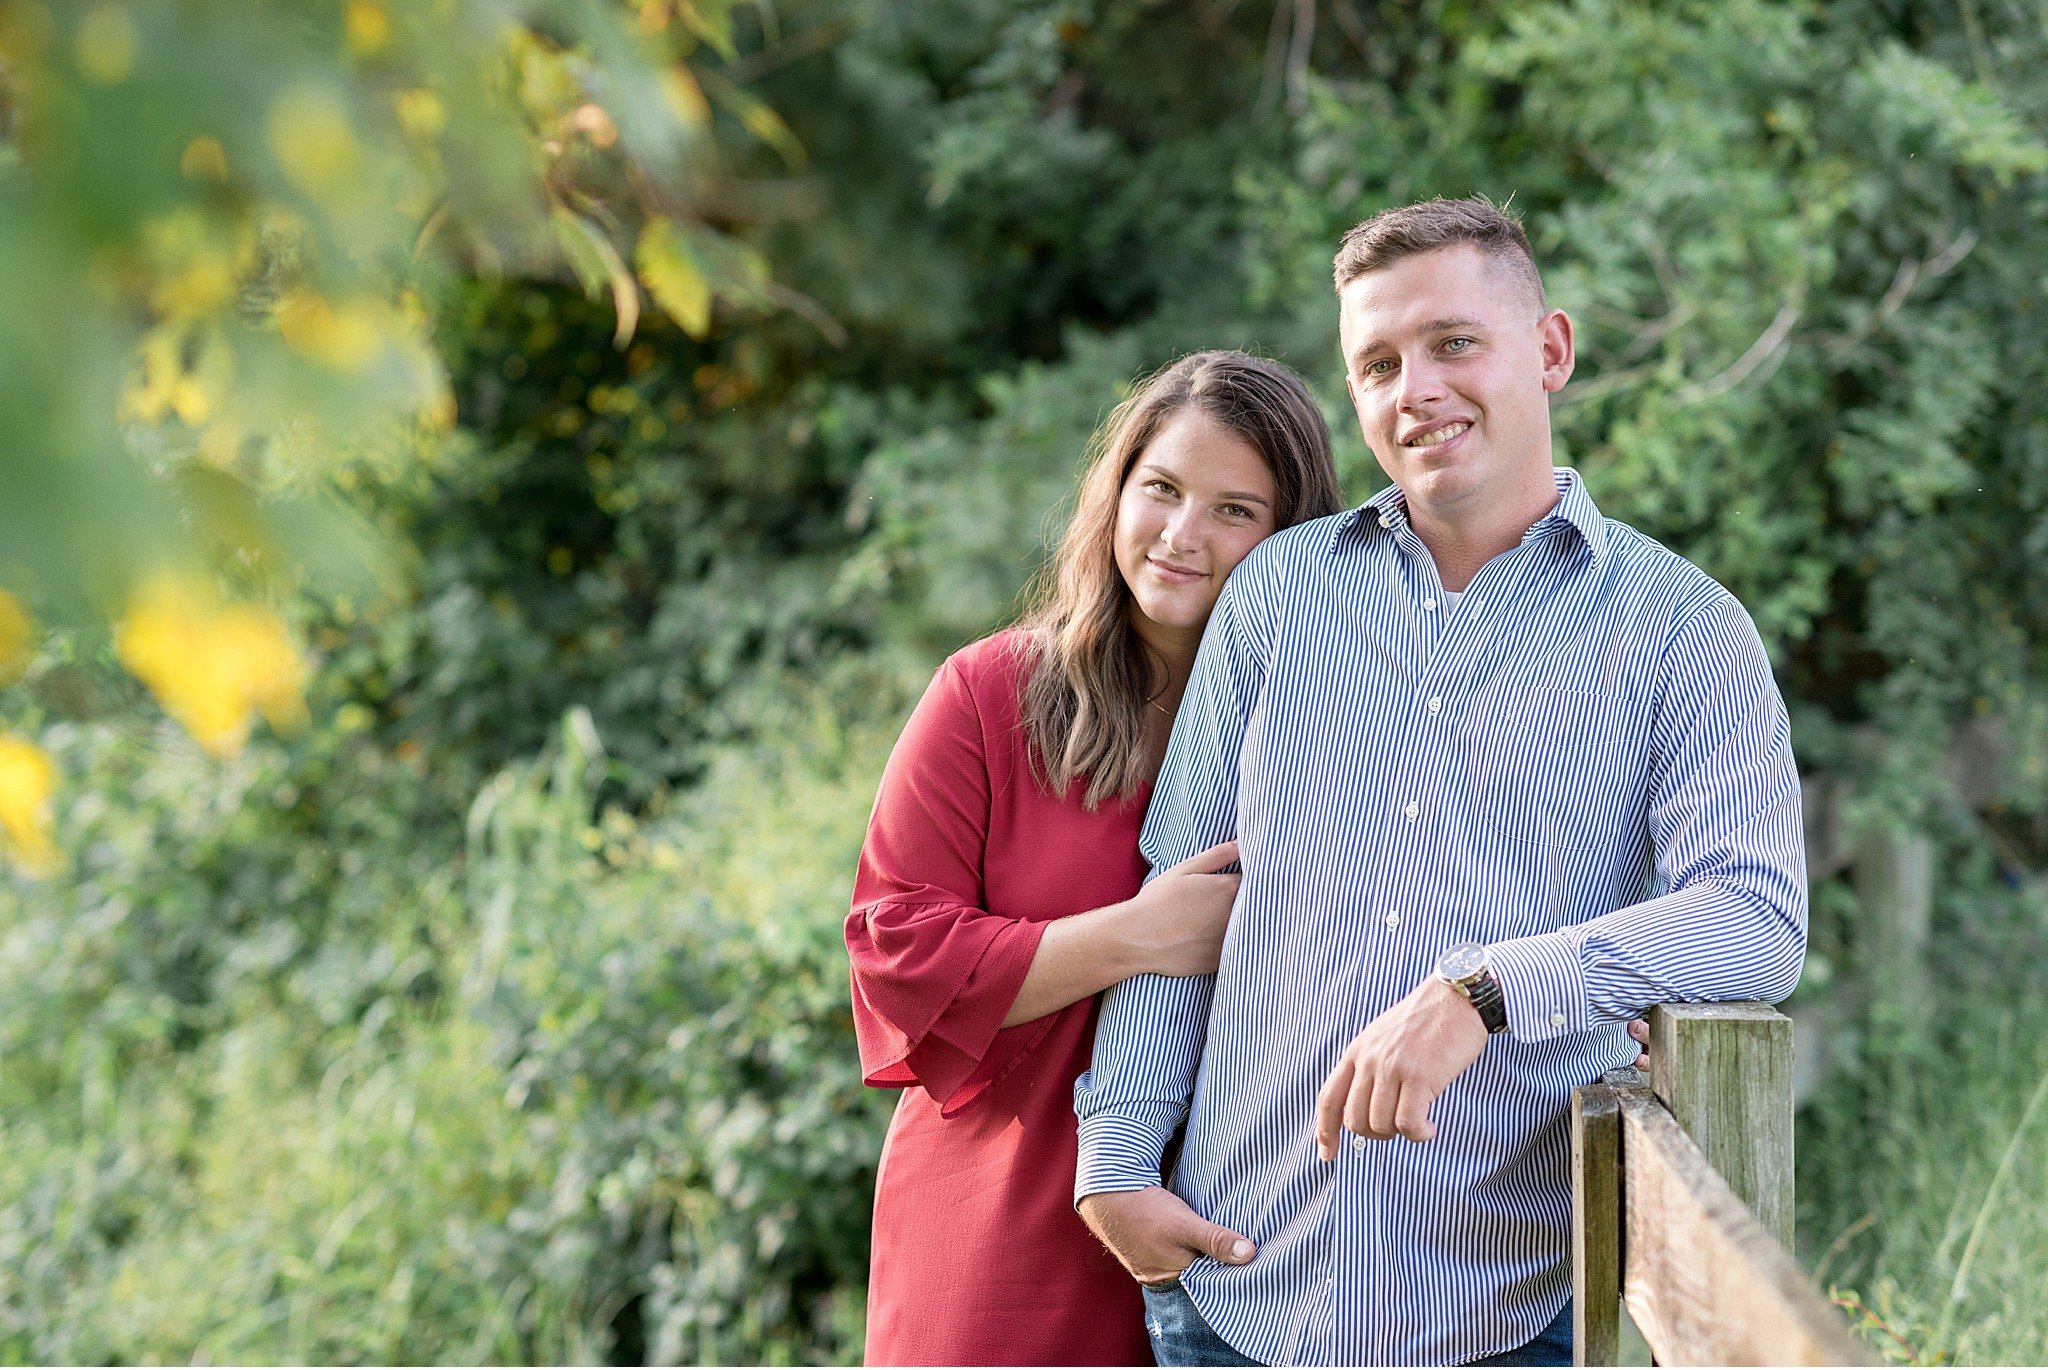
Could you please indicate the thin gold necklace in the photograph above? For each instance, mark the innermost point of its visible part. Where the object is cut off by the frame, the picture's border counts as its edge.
(1161, 707)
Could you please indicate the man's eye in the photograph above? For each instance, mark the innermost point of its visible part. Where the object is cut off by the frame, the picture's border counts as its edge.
(1380, 367)
(1457, 344)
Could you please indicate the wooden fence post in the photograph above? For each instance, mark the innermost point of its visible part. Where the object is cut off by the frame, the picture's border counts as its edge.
(1725, 1072)
(1596, 1222)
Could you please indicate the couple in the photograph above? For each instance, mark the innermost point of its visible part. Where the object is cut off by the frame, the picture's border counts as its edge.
(1499, 774)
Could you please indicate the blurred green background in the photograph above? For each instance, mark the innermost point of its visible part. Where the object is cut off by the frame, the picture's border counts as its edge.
(482, 481)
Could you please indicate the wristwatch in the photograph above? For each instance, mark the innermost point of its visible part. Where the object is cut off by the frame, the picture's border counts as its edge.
(1464, 967)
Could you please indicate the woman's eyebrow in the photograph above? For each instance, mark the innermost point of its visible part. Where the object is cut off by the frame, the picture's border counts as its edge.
(1240, 496)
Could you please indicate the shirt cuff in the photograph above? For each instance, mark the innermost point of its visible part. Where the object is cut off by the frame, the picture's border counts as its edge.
(1120, 1151)
(1543, 984)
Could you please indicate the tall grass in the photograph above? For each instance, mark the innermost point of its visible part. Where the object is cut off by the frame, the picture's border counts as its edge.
(1924, 1176)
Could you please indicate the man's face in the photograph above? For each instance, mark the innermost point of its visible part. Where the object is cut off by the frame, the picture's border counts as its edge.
(1450, 364)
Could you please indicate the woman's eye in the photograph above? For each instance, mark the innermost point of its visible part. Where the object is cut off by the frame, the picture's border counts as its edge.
(1160, 486)
(1237, 511)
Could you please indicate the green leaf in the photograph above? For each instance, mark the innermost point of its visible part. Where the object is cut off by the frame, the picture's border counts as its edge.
(672, 276)
(598, 265)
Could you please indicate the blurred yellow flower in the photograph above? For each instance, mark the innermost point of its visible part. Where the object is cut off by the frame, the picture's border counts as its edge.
(315, 142)
(369, 27)
(212, 666)
(347, 338)
(27, 779)
(17, 638)
(420, 113)
(204, 159)
(107, 43)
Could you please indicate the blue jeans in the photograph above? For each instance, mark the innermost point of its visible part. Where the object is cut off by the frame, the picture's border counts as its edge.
(1181, 1337)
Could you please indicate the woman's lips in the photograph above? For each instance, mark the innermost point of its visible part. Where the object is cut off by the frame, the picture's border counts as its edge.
(1177, 575)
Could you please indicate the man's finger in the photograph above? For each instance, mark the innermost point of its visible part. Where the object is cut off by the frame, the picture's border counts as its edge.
(1385, 1096)
(1330, 1107)
(1411, 1114)
(1221, 1244)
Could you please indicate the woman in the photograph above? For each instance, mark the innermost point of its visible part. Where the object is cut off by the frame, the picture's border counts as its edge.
(999, 888)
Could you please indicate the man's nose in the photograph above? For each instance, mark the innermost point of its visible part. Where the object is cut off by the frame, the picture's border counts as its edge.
(1422, 383)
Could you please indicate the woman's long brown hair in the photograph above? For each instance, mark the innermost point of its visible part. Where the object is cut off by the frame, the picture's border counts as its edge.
(1091, 674)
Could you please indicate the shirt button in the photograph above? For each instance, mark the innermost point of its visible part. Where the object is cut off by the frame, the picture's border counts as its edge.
(1412, 809)
(1556, 1019)
(1358, 1143)
(1435, 703)
(1392, 920)
(1430, 604)
(1386, 520)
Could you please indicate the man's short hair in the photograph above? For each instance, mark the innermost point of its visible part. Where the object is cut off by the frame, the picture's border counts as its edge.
(1393, 234)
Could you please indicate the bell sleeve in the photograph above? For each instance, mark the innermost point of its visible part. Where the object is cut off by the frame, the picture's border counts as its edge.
(934, 970)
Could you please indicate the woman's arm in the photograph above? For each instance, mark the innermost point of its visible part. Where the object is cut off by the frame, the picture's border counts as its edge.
(1174, 926)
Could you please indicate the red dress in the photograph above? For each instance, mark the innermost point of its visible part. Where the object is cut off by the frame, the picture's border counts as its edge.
(978, 1256)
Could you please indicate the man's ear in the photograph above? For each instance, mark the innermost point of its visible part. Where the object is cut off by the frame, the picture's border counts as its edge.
(1554, 335)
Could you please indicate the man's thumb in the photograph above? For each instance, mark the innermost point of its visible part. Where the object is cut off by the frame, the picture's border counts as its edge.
(1220, 1243)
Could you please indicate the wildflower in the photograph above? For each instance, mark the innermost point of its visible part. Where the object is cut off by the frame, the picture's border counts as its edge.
(27, 779)
(212, 666)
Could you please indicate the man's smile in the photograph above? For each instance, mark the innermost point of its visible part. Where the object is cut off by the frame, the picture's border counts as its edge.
(1436, 434)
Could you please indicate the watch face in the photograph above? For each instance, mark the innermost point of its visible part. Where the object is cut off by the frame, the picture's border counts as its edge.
(1461, 961)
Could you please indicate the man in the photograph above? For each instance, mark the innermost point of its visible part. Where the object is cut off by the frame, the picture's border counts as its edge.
(1504, 773)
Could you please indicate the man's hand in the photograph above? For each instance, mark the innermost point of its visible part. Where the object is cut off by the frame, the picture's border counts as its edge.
(1156, 1235)
(1392, 1072)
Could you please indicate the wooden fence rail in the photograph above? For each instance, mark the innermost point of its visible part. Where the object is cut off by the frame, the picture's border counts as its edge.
(1682, 1201)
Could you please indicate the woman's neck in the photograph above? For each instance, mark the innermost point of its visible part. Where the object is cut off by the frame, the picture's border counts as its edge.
(1170, 658)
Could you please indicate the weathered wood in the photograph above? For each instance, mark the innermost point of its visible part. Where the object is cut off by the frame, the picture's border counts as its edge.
(1725, 1072)
(1596, 1225)
(1702, 1279)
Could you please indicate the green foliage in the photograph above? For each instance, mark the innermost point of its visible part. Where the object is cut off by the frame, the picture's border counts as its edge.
(592, 1098)
(501, 1015)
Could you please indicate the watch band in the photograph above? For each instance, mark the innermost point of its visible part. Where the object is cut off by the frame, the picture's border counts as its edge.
(1484, 992)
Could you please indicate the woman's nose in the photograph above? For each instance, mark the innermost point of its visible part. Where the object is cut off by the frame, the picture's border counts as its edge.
(1180, 533)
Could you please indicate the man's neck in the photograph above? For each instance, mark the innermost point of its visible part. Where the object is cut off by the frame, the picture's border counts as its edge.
(1461, 540)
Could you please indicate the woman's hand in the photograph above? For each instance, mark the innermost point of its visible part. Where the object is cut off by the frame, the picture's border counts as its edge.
(1175, 924)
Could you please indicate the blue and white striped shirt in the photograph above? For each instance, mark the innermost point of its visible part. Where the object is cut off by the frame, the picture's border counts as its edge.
(1584, 764)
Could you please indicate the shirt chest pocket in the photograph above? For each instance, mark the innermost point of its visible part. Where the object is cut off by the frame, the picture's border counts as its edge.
(1561, 768)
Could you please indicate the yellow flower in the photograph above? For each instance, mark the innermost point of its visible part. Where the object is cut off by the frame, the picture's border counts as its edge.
(369, 27)
(315, 142)
(27, 778)
(17, 638)
(212, 666)
(348, 338)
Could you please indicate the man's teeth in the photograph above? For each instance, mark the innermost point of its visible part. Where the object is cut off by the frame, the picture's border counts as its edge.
(1441, 435)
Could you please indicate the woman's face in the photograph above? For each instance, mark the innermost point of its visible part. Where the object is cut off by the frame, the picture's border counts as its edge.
(1198, 498)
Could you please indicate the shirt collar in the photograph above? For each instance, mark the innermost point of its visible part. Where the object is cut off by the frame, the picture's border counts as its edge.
(1575, 508)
